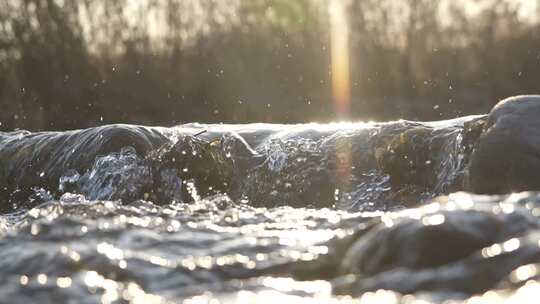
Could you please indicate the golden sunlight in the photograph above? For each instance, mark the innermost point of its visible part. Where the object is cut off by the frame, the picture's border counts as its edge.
(341, 92)
(339, 33)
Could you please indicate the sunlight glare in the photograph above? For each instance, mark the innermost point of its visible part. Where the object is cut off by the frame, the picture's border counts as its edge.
(339, 31)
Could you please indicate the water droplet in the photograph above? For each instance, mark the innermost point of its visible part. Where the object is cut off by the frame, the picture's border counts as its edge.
(63, 282)
(122, 264)
(42, 278)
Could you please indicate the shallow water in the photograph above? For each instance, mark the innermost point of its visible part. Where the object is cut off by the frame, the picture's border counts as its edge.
(315, 213)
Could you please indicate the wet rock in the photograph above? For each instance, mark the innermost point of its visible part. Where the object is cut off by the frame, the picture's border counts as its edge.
(432, 240)
(407, 157)
(506, 157)
(425, 160)
(481, 271)
(212, 166)
(443, 246)
(191, 158)
(472, 130)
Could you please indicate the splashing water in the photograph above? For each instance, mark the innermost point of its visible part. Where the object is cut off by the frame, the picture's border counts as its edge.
(299, 213)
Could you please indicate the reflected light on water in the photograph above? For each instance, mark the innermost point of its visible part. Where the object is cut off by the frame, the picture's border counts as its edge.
(433, 220)
(524, 273)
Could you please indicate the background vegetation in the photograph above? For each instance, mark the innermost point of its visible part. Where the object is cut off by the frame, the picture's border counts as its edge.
(70, 64)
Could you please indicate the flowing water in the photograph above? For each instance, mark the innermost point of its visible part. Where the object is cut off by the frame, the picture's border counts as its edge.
(314, 213)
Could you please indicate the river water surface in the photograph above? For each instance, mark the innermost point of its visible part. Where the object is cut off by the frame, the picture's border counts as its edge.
(312, 213)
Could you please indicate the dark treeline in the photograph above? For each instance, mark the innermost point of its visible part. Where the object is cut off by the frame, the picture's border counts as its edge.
(70, 64)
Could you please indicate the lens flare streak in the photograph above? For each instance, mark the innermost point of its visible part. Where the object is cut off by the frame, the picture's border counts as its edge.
(339, 35)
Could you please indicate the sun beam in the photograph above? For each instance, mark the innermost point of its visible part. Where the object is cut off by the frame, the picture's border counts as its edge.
(339, 35)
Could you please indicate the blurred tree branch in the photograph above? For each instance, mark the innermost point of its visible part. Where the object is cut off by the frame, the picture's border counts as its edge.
(69, 64)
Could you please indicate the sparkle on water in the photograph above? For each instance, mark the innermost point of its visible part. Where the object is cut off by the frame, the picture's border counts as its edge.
(100, 234)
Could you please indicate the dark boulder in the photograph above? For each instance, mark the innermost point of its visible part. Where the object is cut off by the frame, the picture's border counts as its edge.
(506, 157)
(433, 240)
(461, 243)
